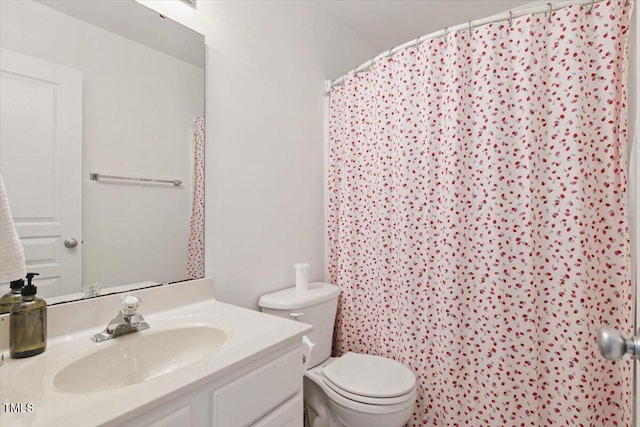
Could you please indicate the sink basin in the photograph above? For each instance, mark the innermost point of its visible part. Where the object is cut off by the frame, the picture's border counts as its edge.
(139, 357)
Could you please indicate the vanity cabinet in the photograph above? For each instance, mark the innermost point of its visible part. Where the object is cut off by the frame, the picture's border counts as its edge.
(266, 392)
(252, 378)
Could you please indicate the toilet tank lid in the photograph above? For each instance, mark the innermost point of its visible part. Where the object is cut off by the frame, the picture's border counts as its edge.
(289, 299)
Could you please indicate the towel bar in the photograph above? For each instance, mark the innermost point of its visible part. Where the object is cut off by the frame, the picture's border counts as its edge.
(96, 176)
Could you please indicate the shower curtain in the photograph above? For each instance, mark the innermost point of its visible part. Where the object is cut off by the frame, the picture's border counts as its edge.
(478, 224)
(195, 260)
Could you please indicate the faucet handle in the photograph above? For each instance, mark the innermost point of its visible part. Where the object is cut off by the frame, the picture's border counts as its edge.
(129, 304)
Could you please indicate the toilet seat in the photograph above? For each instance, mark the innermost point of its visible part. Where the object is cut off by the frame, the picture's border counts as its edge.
(377, 401)
(369, 379)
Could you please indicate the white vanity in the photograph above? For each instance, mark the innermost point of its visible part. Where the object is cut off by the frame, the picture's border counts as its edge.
(201, 363)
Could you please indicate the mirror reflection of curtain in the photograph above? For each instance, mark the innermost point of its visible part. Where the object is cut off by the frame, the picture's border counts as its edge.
(195, 263)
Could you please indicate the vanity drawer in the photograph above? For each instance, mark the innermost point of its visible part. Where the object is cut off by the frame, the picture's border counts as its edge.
(251, 397)
(290, 414)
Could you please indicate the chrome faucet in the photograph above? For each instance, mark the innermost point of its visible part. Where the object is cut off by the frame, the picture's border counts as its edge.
(127, 320)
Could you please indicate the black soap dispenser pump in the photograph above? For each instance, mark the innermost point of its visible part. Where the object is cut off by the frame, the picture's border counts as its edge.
(28, 323)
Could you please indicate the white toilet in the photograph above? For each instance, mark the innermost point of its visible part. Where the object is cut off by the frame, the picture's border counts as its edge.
(354, 390)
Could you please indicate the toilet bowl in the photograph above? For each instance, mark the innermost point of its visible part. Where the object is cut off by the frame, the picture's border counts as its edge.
(354, 390)
(329, 405)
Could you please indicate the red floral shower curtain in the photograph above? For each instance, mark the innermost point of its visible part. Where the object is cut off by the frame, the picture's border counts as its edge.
(478, 224)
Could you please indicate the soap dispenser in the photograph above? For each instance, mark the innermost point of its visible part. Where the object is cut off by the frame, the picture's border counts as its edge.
(13, 296)
(28, 323)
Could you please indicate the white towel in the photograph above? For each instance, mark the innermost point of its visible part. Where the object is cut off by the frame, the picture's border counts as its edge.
(12, 265)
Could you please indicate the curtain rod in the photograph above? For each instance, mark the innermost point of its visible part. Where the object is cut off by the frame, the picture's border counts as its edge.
(505, 16)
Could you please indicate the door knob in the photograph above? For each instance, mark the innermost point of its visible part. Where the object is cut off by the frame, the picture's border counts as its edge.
(70, 243)
(613, 345)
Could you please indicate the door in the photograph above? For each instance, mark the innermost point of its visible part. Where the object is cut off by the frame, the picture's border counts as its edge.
(41, 163)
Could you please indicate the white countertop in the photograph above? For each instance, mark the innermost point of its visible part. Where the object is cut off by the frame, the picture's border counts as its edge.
(30, 381)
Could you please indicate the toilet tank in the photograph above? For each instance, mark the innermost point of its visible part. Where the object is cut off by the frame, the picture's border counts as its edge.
(317, 307)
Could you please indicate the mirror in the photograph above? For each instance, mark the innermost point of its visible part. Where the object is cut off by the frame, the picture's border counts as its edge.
(109, 88)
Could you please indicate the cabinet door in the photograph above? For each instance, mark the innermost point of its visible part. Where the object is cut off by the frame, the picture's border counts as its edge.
(290, 414)
(188, 410)
(247, 399)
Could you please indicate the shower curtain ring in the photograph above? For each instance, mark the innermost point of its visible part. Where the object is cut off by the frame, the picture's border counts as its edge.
(510, 19)
(470, 31)
(591, 8)
(550, 10)
(444, 32)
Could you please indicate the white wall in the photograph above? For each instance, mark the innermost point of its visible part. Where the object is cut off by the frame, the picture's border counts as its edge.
(266, 168)
(132, 233)
(264, 202)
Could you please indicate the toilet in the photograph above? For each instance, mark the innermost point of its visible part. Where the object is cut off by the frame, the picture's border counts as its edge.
(354, 390)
